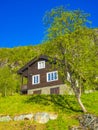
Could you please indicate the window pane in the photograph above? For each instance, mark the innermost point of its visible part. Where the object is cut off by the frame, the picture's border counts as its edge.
(49, 77)
(41, 64)
(55, 75)
(52, 76)
(35, 79)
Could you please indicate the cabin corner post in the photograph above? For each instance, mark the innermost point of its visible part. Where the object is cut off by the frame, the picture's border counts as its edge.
(28, 76)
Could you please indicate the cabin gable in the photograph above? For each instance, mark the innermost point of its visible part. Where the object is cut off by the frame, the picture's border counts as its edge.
(33, 71)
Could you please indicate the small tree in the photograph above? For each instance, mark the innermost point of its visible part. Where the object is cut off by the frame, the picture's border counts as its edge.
(8, 81)
(72, 43)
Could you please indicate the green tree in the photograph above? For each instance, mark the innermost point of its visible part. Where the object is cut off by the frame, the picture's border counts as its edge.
(60, 21)
(8, 81)
(72, 43)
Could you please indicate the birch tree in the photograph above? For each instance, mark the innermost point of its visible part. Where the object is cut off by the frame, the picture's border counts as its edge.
(72, 43)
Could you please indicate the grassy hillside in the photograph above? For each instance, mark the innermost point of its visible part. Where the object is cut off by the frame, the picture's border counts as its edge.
(17, 56)
(66, 107)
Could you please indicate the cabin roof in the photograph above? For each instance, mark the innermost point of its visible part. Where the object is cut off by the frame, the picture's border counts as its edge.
(20, 71)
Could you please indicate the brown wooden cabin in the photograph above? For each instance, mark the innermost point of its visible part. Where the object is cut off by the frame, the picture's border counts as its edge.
(39, 77)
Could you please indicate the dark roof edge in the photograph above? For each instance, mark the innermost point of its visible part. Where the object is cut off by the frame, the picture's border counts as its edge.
(31, 62)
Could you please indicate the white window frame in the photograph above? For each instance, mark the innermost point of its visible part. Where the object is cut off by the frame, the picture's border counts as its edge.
(51, 78)
(41, 64)
(34, 76)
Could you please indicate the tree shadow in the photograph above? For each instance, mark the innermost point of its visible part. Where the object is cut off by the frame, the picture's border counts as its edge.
(65, 103)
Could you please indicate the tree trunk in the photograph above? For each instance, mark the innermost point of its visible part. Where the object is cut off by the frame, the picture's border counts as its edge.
(81, 104)
(77, 92)
(78, 96)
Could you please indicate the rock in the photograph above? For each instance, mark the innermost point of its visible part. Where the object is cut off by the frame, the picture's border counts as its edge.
(87, 122)
(18, 118)
(75, 128)
(5, 118)
(41, 117)
(28, 117)
(23, 117)
(53, 116)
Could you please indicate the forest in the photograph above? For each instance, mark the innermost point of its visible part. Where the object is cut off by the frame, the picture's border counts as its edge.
(11, 59)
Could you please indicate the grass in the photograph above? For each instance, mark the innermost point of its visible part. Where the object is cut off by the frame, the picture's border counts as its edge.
(15, 105)
(66, 107)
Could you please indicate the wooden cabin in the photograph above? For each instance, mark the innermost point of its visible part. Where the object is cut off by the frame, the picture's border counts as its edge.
(39, 77)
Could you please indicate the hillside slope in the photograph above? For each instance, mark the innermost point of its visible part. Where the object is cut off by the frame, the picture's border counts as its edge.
(11, 59)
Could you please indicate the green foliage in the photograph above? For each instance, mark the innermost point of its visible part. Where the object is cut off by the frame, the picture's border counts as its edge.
(74, 45)
(8, 82)
(60, 21)
(16, 57)
(11, 59)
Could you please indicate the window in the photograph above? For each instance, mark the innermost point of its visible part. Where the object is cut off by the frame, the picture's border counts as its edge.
(35, 79)
(54, 90)
(37, 92)
(52, 76)
(41, 64)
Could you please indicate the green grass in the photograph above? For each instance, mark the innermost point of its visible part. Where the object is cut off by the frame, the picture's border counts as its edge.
(15, 105)
(91, 102)
(66, 106)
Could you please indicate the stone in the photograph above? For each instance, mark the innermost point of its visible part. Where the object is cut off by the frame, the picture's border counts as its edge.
(18, 118)
(28, 117)
(23, 117)
(41, 117)
(75, 128)
(5, 118)
(53, 116)
(87, 122)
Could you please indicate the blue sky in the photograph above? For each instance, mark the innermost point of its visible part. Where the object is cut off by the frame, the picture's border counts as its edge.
(21, 20)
